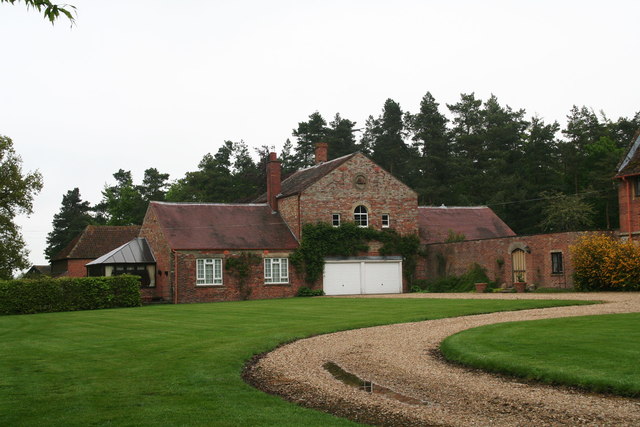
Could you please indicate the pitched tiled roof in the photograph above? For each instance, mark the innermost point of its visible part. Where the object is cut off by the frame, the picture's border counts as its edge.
(223, 226)
(630, 164)
(136, 251)
(478, 222)
(97, 240)
(303, 178)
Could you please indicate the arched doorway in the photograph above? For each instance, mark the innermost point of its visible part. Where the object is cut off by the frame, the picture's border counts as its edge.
(519, 265)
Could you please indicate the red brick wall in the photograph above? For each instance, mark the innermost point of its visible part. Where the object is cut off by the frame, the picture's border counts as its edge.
(629, 202)
(495, 256)
(288, 208)
(230, 289)
(152, 231)
(76, 267)
(382, 194)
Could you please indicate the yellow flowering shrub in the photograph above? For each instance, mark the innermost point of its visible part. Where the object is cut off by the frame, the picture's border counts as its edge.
(602, 262)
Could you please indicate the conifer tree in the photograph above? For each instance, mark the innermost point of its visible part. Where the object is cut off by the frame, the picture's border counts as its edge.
(73, 217)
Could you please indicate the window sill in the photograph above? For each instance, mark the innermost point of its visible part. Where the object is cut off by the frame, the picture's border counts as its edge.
(212, 285)
(557, 274)
(278, 284)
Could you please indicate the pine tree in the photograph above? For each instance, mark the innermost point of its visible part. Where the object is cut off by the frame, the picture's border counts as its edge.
(388, 145)
(73, 217)
(433, 162)
(307, 135)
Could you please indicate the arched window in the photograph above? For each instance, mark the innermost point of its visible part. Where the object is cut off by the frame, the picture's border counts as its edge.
(361, 217)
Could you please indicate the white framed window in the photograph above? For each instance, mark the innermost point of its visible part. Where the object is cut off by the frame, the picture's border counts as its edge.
(386, 220)
(209, 271)
(335, 220)
(361, 216)
(276, 270)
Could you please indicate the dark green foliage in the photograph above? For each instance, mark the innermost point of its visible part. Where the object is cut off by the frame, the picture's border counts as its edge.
(308, 292)
(73, 217)
(228, 176)
(126, 203)
(240, 267)
(566, 212)
(464, 283)
(45, 294)
(17, 190)
(386, 136)
(323, 240)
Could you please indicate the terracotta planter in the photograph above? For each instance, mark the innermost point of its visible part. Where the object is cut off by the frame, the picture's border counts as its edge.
(520, 287)
(481, 288)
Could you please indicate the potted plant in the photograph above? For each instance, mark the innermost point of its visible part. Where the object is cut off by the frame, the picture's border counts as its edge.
(481, 288)
(520, 284)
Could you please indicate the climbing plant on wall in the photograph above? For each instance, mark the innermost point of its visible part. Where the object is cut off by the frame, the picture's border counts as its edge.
(323, 240)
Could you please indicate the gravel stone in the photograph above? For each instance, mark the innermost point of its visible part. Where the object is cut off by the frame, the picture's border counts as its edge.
(405, 359)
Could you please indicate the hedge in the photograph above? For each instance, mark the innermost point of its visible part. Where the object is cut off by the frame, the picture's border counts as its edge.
(45, 295)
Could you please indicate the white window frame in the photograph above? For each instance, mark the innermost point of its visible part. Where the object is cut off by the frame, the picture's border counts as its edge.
(215, 266)
(361, 218)
(283, 270)
(335, 219)
(386, 220)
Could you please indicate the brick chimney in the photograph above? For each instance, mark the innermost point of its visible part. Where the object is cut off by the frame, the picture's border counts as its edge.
(321, 152)
(273, 181)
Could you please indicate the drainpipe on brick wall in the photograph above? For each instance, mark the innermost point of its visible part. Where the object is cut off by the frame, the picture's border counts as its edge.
(299, 220)
(628, 186)
(175, 277)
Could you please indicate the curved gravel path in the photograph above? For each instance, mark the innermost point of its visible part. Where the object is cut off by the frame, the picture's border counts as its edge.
(404, 358)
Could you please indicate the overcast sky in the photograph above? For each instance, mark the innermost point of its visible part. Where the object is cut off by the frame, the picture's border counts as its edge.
(155, 83)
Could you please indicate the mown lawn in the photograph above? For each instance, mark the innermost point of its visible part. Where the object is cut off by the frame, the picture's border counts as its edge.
(179, 365)
(596, 353)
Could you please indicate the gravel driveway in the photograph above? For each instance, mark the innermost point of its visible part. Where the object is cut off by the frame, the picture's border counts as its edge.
(404, 359)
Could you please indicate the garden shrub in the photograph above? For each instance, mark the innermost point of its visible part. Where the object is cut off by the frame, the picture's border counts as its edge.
(46, 294)
(604, 263)
(308, 292)
(452, 283)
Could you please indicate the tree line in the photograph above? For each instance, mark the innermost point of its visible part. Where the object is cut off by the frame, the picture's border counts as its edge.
(537, 176)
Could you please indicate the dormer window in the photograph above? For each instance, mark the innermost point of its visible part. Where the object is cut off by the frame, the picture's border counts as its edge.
(361, 216)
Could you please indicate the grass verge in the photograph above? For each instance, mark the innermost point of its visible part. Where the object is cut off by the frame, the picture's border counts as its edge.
(595, 353)
(180, 365)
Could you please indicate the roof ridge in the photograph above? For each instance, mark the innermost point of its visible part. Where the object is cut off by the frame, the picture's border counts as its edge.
(207, 204)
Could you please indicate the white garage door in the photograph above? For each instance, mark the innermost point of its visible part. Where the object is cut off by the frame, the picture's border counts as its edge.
(362, 277)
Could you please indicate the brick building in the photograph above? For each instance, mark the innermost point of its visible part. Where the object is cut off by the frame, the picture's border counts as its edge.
(93, 242)
(193, 246)
(628, 178)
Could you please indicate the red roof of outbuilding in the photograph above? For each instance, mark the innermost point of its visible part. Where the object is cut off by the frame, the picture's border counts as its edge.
(201, 226)
(478, 222)
(97, 240)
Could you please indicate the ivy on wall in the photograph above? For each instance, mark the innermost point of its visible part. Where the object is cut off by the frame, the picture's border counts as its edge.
(240, 267)
(323, 240)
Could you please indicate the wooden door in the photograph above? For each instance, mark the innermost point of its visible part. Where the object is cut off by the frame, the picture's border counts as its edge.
(519, 265)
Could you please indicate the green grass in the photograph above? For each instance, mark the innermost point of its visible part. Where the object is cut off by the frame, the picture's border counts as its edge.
(179, 365)
(596, 353)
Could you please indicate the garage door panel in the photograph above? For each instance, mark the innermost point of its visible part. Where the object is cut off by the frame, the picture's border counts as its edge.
(342, 279)
(362, 277)
(382, 278)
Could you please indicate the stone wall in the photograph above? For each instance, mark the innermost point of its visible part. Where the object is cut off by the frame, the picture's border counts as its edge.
(360, 181)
